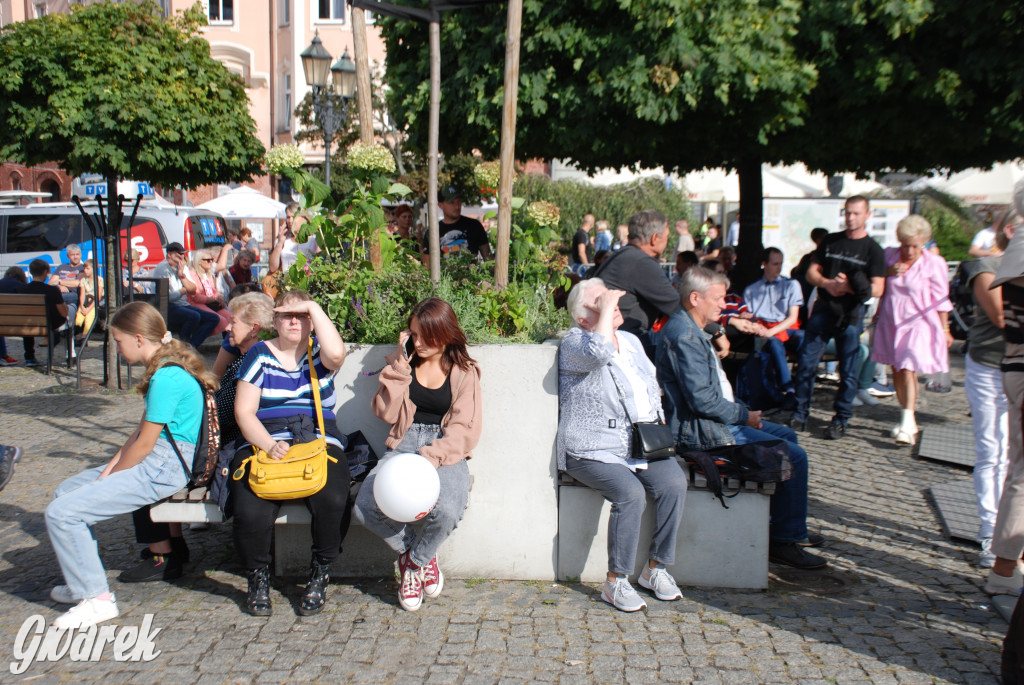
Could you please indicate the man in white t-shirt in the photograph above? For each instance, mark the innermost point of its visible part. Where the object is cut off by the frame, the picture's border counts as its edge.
(984, 244)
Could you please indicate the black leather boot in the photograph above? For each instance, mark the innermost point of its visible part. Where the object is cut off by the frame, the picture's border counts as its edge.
(316, 589)
(257, 602)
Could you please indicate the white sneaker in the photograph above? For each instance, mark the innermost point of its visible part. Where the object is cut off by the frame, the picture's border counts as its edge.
(88, 612)
(63, 595)
(1001, 585)
(866, 398)
(879, 390)
(661, 583)
(622, 596)
(986, 558)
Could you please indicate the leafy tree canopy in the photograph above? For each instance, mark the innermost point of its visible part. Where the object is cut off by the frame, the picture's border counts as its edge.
(839, 84)
(120, 90)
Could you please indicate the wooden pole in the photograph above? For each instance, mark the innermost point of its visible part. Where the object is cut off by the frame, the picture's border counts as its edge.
(435, 127)
(364, 96)
(364, 100)
(508, 140)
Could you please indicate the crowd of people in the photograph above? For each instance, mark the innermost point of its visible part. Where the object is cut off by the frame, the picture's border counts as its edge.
(643, 348)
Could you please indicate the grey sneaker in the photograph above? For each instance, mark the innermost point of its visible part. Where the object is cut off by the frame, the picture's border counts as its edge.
(661, 583)
(9, 455)
(622, 596)
(62, 594)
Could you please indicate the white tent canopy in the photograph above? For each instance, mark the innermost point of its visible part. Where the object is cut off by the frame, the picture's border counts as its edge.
(980, 186)
(245, 203)
(718, 185)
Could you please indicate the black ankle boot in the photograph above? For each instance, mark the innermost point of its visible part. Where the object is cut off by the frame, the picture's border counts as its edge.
(316, 589)
(180, 548)
(257, 602)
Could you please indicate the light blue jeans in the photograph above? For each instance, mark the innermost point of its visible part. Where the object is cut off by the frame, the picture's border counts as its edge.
(442, 519)
(86, 499)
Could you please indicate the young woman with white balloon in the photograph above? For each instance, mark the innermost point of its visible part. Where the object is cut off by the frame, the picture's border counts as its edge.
(430, 394)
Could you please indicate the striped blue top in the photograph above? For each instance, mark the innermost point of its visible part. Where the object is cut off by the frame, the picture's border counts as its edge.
(286, 393)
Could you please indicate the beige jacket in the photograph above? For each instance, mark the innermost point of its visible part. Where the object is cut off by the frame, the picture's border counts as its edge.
(461, 426)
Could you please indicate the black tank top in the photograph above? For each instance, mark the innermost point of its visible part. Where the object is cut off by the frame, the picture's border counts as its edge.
(431, 405)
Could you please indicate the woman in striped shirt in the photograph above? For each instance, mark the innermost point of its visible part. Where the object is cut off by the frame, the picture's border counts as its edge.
(274, 408)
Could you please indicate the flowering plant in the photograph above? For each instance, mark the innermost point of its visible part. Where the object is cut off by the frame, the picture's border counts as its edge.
(543, 214)
(286, 155)
(487, 175)
(372, 158)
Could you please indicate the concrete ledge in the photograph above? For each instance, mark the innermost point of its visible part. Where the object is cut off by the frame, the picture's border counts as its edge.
(715, 547)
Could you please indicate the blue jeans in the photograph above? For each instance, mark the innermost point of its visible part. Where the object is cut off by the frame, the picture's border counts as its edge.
(86, 499)
(820, 328)
(442, 519)
(627, 491)
(194, 325)
(789, 503)
(778, 349)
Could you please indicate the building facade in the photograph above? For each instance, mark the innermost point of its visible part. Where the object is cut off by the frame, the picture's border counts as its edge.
(260, 40)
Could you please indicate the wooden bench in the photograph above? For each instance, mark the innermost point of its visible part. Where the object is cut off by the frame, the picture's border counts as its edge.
(27, 316)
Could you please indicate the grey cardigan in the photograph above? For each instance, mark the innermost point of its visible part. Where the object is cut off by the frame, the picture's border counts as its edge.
(590, 414)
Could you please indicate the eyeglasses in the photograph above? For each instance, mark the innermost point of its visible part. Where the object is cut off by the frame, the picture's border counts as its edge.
(206, 259)
(293, 315)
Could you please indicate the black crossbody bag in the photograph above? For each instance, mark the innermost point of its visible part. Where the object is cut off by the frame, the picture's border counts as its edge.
(652, 440)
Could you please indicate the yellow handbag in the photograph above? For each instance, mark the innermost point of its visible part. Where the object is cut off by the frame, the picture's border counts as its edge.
(302, 471)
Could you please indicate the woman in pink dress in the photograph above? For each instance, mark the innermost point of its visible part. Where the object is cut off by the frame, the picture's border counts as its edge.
(912, 329)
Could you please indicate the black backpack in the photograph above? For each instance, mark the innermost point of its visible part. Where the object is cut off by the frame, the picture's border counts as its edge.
(204, 463)
(756, 462)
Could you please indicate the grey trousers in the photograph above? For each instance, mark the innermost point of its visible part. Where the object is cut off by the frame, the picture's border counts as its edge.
(627, 491)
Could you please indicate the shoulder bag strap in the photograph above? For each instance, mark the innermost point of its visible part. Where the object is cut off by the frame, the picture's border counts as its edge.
(316, 390)
(618, 391)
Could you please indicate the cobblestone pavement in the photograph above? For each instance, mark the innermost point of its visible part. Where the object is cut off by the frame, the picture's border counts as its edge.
(899, 604)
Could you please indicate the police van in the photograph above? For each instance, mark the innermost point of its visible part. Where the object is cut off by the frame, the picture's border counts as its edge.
(44, 230)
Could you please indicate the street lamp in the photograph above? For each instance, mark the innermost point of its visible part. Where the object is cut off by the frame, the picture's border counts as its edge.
(316, 64)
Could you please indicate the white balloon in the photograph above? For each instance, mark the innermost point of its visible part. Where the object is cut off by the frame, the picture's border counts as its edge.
(406, 487)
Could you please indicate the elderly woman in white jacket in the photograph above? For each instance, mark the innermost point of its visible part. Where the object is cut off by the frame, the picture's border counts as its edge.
(596, 364)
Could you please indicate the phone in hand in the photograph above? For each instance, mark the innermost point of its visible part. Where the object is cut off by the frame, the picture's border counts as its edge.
(408, 349)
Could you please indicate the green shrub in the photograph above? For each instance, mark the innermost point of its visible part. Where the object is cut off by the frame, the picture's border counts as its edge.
(952, 229)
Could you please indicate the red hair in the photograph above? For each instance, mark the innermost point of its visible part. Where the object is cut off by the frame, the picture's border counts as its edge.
(441, 328)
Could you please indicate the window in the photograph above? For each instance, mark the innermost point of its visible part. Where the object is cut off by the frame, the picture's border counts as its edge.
(285, 13)
(332, 10)
(43, 232)
(40, 10)
(287, 101)
(222, 11)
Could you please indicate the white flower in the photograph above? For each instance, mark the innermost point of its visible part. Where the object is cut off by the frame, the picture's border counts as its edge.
(285, 156)
(371, 158)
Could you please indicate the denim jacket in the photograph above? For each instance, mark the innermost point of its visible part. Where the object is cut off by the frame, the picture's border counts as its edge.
(688, 370)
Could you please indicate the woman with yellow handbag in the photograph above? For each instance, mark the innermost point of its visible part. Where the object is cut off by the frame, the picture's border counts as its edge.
(430, 394)
(284, 408)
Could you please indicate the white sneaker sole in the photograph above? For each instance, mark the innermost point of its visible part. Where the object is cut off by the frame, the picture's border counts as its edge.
(72, 620)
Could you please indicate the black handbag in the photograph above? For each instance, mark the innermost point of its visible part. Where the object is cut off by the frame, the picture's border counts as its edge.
(652, 440)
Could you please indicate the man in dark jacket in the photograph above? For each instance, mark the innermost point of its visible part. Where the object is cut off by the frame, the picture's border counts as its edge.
(709, 417)
(635, 269)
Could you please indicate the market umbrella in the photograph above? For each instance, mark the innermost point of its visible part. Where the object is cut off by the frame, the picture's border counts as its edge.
(245, 203)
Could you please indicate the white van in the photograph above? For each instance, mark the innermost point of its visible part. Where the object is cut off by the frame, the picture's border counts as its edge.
(44, 230)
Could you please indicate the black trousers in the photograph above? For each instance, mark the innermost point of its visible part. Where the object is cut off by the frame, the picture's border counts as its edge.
(254, 518)
(146, 531)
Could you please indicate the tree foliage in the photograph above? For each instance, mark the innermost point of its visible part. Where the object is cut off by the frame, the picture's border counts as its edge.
(119, 89)
(860, 85)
